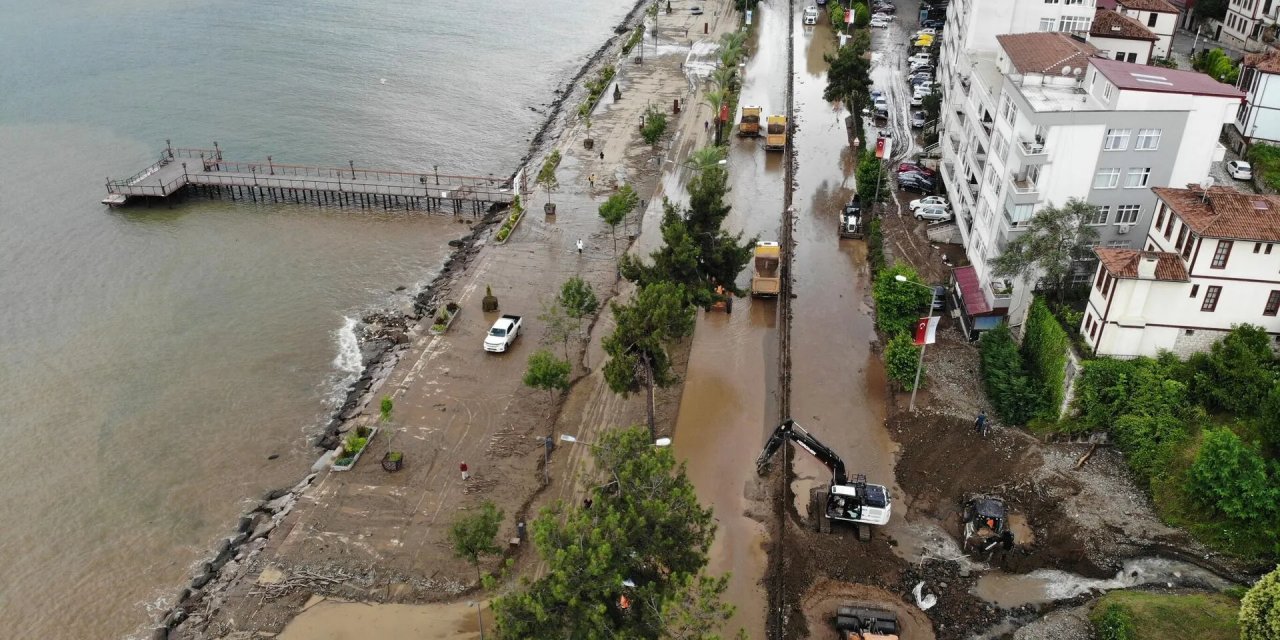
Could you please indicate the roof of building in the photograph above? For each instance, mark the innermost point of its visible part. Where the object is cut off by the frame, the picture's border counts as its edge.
(1045, 51)
(1140, 77)
(1123, 263)
(1160, 6)
(1225, 213)
(1266, 62)
(1106, 4)
(1112, 24)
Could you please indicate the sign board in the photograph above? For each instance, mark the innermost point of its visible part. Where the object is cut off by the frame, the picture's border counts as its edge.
(749, 12)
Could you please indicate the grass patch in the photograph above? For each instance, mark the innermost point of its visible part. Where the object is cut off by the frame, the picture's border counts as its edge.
(1266, 164)
(1158, 616)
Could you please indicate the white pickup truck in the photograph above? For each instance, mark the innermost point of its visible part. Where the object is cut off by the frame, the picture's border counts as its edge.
(502, 334)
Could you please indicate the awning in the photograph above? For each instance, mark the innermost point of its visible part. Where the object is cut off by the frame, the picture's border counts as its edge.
(970, 291)
(987, 323)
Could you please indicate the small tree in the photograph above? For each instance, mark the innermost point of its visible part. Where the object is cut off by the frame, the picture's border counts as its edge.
(658, 315)
(558, 327)
(901, 356)
(1236, 375)
(472, 537)
(547, 175)
(655, 124)
(871, 170)
(1230, 477)
(1056, 239)
(1260, 609)
(1013, 395)
(577, 299)
(547, 372)
(616, 209)
(385, 409)
(899, 304)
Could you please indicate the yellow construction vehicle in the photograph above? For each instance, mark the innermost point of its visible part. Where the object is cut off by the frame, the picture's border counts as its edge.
(750, 123)
(775, 138)
(765, 282)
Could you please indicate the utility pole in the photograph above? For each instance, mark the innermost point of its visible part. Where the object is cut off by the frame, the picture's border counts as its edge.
(920, 362)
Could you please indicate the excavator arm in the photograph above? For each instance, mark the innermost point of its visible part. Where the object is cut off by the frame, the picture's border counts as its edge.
(789, 430)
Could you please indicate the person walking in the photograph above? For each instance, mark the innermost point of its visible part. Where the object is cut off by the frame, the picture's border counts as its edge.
(580, 246)
(980, 425)
(466, 475)
(706, 125)
(592, 180)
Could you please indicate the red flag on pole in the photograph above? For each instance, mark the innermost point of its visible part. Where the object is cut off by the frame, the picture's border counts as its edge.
(927, 330)
(848, 16)
(724, 113)
(879, 147)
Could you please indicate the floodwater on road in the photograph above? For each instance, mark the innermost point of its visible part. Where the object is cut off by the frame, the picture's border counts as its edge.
(1047, 585)
(324, 619)
(728, 404)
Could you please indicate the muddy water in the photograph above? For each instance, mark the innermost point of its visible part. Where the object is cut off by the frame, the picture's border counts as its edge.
(337, 620)
(827, 596)
(1047, 585)
(838, 389)
(728, 406)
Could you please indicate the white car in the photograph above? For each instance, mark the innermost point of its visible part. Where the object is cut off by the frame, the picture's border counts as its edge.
(882, 16)
(927, 32)
(1240, 170)
(880, 104)
(918, 100)
(811, 14)
(930, 201)
(878, 24)
(932, 214)
(920, 58)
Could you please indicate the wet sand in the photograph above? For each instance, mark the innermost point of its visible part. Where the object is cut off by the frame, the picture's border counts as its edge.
(325, 619)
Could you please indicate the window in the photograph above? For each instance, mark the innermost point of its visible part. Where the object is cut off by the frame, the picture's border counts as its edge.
(1257, 246)
(1182, 237)
(999, 145)
(1008, 111)
(1131, 57)
(1128, 213)
(1106, 179)
(1148, 140)
(1118, 244)
(1101, 272)
(1117, 140)
(1168, 229)
(1137, 177)
(1186, 249)
(1195, 290)
(1100, 215)
(1022, 213)
(1273, 304)
(1074, 23)
(1151, 19)
(1211, 298)
(1221, 254)
(1047, 24)
(1159, 215)
(1268, 251)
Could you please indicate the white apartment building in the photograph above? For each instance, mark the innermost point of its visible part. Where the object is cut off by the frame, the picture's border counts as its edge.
(1246, 18)
(1211, 260)
(1157, 15)
(1122, 38)
(1044, 120)
(1259, 117)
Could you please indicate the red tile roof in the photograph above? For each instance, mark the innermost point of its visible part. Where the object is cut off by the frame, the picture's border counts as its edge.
(1140, 77)
(1110, 24)
(1123, 263)
(1160, 6)
(1266, 62)
(1045, 51)
(1226, 213)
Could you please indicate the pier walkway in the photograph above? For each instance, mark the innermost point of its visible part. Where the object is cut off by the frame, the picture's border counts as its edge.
(204, 171)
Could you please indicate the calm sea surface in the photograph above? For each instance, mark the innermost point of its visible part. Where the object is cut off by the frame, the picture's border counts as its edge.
(152, 359)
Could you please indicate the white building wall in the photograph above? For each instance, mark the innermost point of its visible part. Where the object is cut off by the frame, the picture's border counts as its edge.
(1206, 115)
(1140, 49)
(1263, 120)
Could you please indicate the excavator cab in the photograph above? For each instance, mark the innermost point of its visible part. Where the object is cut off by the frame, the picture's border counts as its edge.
(865, 623)
(986, 525)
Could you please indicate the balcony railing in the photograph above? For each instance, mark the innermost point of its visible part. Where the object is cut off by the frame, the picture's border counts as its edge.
(1031, 149)
(1001, 296)
(1022, 185)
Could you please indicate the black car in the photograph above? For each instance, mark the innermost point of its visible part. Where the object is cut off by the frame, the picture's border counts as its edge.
(916, 185)
(933, 24)
(939, 297)
(916, 175)
(885, 8)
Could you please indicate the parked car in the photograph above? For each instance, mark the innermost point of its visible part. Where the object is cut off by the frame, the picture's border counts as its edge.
(504, 331)
(876, 93)
(939, 297)
(917, 100)
(916, 185)
(904, 167)
(918, 119)
(932, 214)
(878, 23)
(1240, 170)
(922, 57)
(884, 7)
(879, 103)
(918, 177)
(931, 201)
(919, 80)
(927, 31)
(887, 17)
(924, 41)
(934, 24)
(920, 67)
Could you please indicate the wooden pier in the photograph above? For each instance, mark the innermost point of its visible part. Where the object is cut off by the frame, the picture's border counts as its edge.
(180, 171)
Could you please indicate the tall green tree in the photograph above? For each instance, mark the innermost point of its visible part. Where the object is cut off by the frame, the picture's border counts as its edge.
(901, 356)
(1044, 350)
(1015, 398)
(871, 170)
(1237, 373)
(472, 537)
(632, 564)
(655, 124)
(899, 304)
(637, 349)
(1210, 9)
(1056, 238)
(616, 209)
(547, 372)
(1260, 609)
(707, 157)
(849, 73)
(578, 299)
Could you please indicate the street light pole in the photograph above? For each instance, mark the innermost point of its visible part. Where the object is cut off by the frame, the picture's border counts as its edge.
(919, 363)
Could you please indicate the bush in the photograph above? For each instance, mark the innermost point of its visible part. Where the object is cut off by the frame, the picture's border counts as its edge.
(1266, 164)
(875, 246)
(1269, 422)
(1044, 348)
(899, 304)
(503, 233)
(354, 445)
(1236, 374)
(1260, 609)
(1230, 477)
(1113, 622)
(901, 356)
(1013, 395)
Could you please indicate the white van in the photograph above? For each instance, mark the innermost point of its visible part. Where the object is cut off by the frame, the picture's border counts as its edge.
(811, 15)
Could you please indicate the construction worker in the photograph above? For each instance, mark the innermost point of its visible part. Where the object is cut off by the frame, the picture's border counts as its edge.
(580, 245)
(592, 179)
(980, 425)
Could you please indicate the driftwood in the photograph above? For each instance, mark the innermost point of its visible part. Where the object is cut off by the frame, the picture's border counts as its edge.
(1085, 458)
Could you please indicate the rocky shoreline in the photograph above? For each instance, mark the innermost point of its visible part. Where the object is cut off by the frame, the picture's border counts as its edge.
(384, 336)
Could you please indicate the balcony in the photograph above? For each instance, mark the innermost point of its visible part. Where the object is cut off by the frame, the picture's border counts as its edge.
(1023, 185)
(1032, 150)
(1000, 294)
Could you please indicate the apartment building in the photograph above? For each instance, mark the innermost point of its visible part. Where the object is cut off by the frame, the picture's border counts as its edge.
(1044, 120)
(1122, 38)
(1157, 15)
(1259, 116)
(1211, 260)
(1246, 18)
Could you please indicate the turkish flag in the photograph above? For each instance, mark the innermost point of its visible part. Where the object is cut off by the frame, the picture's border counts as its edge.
(848, 16)
(927, 330)
(879, 147)
(724, 113)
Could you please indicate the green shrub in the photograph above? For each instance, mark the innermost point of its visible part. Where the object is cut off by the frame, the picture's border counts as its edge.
(1236, 375)
(1114, 622)
(1014, 396)
(901, 356)
(503, 233)
(1266, 164)
(1044, 349)
(1269, 420)
(354, 444)
(875, 246)
(1230, 477)
(1260, 609)
(899, 304)
(637, 35)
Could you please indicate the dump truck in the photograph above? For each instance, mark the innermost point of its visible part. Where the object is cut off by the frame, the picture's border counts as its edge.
(775, 138)
(765, 282)
(750, 123)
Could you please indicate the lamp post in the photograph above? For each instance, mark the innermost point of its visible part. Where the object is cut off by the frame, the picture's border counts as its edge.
(920, 362)
(660, 442)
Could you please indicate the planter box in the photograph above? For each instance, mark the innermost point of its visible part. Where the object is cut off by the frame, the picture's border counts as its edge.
(512, 232)
(452, 316)
(373, 431)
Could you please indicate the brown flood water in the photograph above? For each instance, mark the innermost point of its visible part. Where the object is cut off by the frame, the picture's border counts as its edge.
(324, 619)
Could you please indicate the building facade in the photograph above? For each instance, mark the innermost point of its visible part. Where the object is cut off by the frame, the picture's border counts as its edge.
(1259, 116)
(1211, 260)
(1122, 38)
(1044, 120)
(1246, 18)
(1157, 15)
